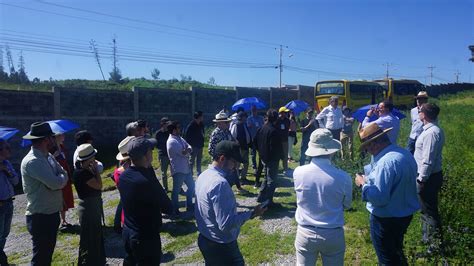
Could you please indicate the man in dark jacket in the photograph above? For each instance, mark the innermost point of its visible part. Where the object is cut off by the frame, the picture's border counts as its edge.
(284, 127)
(194, 135)
(268, 143)
(144, 200)
(161, 137)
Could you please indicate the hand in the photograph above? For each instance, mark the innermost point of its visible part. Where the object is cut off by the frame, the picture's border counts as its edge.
(360, 180)
(258, 210)
(370, 112)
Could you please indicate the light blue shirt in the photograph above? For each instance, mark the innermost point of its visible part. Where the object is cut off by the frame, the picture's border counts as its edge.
(428, 151)
(7, 181)
(390, 189)
(384, 122)
(179, 162)
(416, 124)
(216, 213)
(254, 123)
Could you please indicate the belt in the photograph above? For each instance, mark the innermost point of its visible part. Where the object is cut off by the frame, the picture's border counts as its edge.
(318, 227)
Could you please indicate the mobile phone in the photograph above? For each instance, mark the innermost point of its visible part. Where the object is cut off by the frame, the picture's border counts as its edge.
(265, 204)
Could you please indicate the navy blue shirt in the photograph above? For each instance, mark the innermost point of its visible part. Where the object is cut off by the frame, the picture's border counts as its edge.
(143, 200)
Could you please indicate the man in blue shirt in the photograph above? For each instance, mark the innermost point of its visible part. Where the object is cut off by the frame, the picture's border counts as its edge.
(216, 213)
(389, 187)
(385, 119)
(8, 179)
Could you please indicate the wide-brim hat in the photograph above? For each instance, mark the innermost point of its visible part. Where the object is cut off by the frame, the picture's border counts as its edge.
(370, 133)
(222, 117)
(39, 130)
(321, 143)
(85, 152)
(123, 149)
(422, 94)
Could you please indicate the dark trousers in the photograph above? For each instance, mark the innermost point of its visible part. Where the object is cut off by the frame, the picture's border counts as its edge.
(267, 189)
(196, 157)
(430, 218)
(304, 147)
(6, 214)
(411, 145)
(118, 217)
(336, 133)
(91, 244)
(43, 229)
(141, 251)
(164, 163)
(219, 253)
(387, 238)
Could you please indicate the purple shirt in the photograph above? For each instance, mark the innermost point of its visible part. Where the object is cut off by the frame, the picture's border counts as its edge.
(8, 181)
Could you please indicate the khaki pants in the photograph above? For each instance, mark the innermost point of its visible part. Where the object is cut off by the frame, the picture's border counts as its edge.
(347, 147)
(311, 242)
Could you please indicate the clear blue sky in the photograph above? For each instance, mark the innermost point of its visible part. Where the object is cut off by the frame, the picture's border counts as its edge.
(326, 39)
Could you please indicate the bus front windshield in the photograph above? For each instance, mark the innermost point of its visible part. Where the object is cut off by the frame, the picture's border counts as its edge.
(331, 88)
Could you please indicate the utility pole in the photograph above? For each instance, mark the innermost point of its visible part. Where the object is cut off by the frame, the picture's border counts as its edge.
(457, 73)
(387, 65)
(431, 73)
(280, 66)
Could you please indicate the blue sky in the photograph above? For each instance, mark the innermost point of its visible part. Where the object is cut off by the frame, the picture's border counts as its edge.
(322, 39)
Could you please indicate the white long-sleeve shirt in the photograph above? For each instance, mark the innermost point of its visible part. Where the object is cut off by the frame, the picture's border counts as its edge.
(428, 148)
(332, 117)
(416, 123)
(322, 193)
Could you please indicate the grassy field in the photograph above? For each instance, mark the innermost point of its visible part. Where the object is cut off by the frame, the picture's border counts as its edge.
(259, 246)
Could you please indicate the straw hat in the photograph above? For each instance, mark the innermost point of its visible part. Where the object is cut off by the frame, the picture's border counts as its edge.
(222, 117)
(85, 152)
(370, 133)
(123, 149)
(322, 143)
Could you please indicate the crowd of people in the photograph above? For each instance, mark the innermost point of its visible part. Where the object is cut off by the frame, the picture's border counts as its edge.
(396, 183)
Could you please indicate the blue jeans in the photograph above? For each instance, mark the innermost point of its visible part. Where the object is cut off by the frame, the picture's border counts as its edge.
(178, 180)
(43, 229)
(267, 189)
(387, 237)
(304, 147)
(220, 253)
(6, 214)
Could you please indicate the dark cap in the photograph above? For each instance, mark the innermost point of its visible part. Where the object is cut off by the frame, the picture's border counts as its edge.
(229, 149)
(164, 120)
(142, 123)
(139, 146)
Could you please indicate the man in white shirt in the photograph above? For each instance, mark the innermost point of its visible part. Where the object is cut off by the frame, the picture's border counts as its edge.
(416, 123)
(331, 118)
(322, 193)
(428, 148)
(386, 120)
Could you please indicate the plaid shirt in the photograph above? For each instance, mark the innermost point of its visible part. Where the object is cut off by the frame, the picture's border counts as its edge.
(217, 136)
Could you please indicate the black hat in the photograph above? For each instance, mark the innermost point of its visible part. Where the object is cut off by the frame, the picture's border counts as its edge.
(229, 149)
(139, 146)
(39, 130)
(164, 120)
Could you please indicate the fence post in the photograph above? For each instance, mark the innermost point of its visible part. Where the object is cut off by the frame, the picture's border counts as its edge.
(57, 102)
(135, 103)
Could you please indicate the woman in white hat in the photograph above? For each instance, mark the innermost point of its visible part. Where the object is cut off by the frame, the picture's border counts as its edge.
(88, 185)
(124, 163)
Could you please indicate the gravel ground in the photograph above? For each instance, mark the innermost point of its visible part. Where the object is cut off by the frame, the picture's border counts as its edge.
(18, 244)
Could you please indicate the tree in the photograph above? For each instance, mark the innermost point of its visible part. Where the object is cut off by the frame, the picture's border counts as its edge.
(155, 74)
(115, 75)
(211, 81)
(22, 77)
(185, 78)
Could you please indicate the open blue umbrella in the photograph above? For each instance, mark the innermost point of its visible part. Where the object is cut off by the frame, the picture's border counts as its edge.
(297, 106)
(58, 127)
(7, 132)
(360, 113)
(246, 103)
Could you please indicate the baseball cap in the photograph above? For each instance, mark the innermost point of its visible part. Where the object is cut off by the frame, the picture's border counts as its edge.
(139, 146)
(283, 109)
(229, 149)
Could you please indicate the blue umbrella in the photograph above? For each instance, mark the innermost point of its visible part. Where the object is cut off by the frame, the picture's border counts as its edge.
(297, 106)
(360, 113)
(7, 132)
(246, 103)
(58, 127)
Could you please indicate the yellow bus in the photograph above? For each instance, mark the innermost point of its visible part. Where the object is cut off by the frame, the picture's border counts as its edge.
(353, 94)
(401, 92)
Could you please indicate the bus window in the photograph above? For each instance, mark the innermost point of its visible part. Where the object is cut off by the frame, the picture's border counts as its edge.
(360, 91)
(331, 88)
(406, 88)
